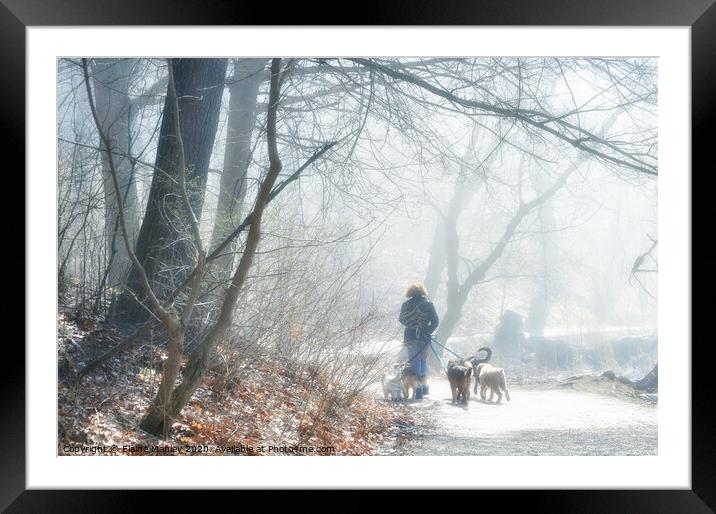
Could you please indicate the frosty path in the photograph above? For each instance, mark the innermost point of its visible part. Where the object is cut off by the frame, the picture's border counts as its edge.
(535, 422)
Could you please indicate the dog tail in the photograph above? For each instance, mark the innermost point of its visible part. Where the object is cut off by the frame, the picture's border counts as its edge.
(485, 349)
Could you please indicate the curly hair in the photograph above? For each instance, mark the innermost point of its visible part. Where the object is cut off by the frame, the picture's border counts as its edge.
(416, 289)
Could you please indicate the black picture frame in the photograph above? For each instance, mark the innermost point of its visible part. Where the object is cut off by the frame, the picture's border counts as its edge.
(700, 15)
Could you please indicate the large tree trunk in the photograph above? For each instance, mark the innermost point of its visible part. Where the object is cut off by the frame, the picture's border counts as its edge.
(451, 247)
(173, 325)
(436, 262)
(450, 319)
(244, 89)
(164, 245)
(158, 418)
(448, 222)
(111, 79)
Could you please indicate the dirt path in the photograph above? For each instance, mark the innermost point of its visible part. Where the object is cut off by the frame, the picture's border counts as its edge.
(538, 421)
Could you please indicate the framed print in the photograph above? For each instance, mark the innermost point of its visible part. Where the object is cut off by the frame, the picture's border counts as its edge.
(432, 249)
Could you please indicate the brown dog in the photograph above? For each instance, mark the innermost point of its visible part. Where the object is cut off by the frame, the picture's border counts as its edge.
(488, 375)
(459, 375)
(410, 380)
(476, 361)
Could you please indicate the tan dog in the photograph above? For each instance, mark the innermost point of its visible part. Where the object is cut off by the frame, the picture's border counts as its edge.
(488, 375)
(459, 375)
(410, 380)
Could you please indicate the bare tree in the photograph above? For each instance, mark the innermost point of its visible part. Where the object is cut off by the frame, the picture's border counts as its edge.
(244, 91)
(112, 79)
(457, 290)
(363, 141)
(610, 151)
(164, 244)
(173, 323)
(164, 409)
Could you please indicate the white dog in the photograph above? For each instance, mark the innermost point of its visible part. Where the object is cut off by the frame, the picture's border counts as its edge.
(392, 387)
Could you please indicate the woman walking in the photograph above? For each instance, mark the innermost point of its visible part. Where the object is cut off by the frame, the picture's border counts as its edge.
(418, 316)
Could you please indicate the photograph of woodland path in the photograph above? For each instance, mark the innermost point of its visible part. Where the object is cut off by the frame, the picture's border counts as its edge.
(343, 256)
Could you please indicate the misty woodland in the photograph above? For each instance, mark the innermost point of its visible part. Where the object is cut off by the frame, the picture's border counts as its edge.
(357, 256)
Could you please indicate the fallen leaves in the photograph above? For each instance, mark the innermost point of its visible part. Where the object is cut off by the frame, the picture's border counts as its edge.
(268, 406)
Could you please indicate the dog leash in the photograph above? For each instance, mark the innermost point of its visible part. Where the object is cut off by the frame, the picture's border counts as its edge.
(438, 357)
(434, 339)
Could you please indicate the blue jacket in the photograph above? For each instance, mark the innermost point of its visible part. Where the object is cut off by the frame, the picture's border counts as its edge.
(419, 317)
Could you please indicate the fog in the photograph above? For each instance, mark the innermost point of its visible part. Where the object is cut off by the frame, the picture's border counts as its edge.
(505, 184)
